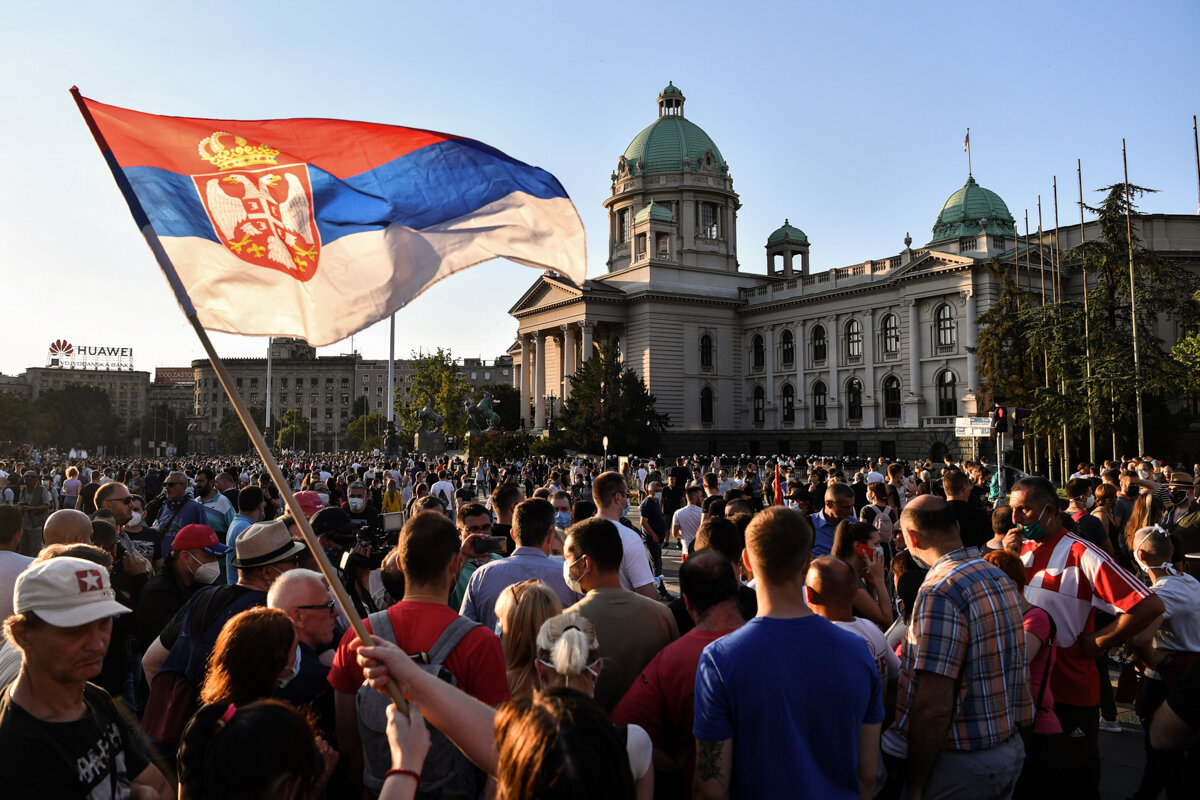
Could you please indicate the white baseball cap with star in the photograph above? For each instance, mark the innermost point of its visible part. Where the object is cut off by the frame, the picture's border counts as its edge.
(66, 591)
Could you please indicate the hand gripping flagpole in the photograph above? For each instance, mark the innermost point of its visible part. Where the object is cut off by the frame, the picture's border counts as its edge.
(239, 405)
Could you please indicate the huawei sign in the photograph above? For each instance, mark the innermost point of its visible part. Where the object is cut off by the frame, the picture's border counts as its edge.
(61, 348)
(63, 354)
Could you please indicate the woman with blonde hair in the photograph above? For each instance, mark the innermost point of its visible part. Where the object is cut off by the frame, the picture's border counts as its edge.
(1147, 512)
(522, 609)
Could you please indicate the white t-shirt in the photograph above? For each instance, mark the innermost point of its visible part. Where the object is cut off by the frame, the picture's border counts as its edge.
(885, 657)
(1180, 630)
(444, 490)
(11, 565)
(688, 520)
(635, 566)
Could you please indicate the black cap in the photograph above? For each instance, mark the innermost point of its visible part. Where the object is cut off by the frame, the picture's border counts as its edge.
(329, 521)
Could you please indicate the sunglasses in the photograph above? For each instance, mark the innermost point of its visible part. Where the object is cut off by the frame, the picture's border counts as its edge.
(478, 528)
(125, 500)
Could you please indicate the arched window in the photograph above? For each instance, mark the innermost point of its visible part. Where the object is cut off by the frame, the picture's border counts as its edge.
(788, 394)
(947, 397)
(891, 397)
(758, 352)
(819, 413)
(891, 334)
(943, 322)
(854, 339)
(787, 348)
(706, 405)
(854, 399)
(818, 343)
(760, 403)
(706, 352)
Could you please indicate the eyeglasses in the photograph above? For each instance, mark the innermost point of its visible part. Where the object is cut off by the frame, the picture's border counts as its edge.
(126, 500)
(173, 483)
(322, 607)
(478, 528)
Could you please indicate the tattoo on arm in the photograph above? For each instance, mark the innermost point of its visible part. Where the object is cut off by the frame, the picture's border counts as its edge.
(708, 761)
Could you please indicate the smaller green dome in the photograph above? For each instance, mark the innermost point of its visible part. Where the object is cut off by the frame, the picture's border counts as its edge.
(656, 212)
(962, 211)
(671, 89)
(787, 233)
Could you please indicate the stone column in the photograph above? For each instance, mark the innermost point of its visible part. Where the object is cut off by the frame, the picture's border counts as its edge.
(833, 336)
(769, 344)
(539, 392)
(586, 340)
(869, 389)
(972, 376)
(801, 388)
(525, 359)
(568, 359)
(914, 349)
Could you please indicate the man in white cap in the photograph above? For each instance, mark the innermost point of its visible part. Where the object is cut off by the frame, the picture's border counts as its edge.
(61, 736)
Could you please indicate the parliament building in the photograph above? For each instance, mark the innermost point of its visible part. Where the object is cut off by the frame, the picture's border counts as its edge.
(869, 359)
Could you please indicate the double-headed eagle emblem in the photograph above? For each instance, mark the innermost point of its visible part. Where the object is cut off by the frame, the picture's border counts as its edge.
(264, 215)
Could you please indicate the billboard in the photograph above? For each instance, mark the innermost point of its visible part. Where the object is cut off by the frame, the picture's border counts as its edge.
(174, 375)
(64, 355)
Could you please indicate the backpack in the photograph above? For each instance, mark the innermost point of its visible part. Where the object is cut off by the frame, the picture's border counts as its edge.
(881, 518)
(447, 774)
(175, 688)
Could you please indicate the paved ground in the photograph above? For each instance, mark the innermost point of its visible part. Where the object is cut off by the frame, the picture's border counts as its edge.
(1121, 754)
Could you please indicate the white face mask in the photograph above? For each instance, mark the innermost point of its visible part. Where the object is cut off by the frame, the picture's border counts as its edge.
(1091, 501)
(207, 573)
(295, 669)
(135, 519)
(324, 498)
(572, 583)
(357, 504)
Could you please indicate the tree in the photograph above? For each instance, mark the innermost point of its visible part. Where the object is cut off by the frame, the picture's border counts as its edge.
(436, 378)
(366, 432)
(160, 423)
(609, 400)
(75, 416)
(362, 405)
(293, 433)
(231, 433)
(506, 401)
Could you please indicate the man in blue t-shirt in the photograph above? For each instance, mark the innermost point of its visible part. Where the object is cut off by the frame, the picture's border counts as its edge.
(789, 705)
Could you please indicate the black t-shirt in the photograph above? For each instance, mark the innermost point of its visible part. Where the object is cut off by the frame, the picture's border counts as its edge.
(974, 524)
(147, 542)
(93, 757)
(506, 532)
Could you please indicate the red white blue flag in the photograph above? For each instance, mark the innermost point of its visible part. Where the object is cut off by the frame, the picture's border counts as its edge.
(317, 228)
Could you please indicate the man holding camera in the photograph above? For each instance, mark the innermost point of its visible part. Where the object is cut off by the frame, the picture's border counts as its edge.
(478, 546)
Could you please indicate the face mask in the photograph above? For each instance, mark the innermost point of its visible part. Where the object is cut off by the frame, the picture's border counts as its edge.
(207, 573)
(295, 669)
(1035, 530)
(1168, 567)
(562, 519)
(1091, 501)
(572, 583)
(135, 519)
(324, 498)
(357, 504)
(1179, 498)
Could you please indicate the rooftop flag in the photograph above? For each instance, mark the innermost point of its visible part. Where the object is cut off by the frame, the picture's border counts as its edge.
(318, 228)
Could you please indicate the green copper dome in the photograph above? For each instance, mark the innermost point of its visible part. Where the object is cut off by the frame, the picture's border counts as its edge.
(961, 213)
(663, 145)
(787, 233)
(656, 212)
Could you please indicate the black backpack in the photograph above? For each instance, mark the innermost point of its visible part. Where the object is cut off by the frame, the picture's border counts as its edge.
(447, 774)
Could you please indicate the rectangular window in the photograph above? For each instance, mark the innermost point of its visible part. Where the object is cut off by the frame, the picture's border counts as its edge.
(239, 383)
(328, 413)
(345, 383)
(622, 232)
(283, 383)
(329, 399)
(254, 381)
(640, 248)
(283, 398)
(329, 383)
(709, 221)
(345, 398)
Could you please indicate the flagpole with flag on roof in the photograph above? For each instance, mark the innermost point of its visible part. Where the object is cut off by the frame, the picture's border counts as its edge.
(342, 224)
(967, 147)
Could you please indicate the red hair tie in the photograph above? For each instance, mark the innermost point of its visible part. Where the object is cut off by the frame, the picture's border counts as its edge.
(228, 715)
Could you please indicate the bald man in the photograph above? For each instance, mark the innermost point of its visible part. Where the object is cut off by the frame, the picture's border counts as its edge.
(67, 526)
(831, 587)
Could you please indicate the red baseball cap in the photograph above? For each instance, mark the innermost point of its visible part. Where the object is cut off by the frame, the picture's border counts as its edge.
(310, 502)
(196, 536)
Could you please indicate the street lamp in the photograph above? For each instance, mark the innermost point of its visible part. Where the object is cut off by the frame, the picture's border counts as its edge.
(604, 441)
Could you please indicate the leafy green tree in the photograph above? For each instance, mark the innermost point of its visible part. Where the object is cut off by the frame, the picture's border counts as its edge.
(160, 423)
(609, 400)
(436, 379)
(507, 403)
(74, 416)
(366, 432)
(362, 405)
(231, 434)
(293, 432)
(15, 422)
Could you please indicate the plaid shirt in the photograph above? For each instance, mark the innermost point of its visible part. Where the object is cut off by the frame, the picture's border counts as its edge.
(966, 625)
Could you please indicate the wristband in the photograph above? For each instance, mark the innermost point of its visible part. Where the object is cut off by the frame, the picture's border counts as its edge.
(416, 776)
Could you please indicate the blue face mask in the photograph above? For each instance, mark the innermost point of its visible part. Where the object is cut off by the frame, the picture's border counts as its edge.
(562, 519)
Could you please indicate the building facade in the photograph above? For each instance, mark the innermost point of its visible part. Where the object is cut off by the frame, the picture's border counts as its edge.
(871, 358)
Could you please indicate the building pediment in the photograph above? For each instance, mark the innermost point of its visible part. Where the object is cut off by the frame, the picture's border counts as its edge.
(550, 291)
(929, 261)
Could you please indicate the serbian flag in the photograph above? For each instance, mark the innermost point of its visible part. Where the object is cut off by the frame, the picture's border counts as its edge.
(317, 228)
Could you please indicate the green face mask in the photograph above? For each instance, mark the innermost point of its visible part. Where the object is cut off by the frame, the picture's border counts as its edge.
(1036, 530)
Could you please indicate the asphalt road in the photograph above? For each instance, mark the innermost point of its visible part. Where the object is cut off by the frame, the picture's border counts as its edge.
(1121, 754)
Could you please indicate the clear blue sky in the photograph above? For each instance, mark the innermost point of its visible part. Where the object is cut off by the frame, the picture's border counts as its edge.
(847, 118)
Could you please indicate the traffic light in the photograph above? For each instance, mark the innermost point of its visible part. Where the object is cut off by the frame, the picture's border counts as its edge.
(1000, 420)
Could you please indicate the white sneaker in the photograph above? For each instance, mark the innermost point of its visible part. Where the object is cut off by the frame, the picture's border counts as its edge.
(1110, 725)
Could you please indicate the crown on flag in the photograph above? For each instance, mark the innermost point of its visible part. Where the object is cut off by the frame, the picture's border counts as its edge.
(240, 154)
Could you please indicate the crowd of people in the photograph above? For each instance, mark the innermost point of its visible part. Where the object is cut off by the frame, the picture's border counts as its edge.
(843, 628)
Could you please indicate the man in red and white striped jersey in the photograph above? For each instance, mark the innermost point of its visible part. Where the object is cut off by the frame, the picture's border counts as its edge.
(1071, 578)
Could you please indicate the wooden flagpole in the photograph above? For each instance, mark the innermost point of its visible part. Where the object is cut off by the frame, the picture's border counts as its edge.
(239, 405)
